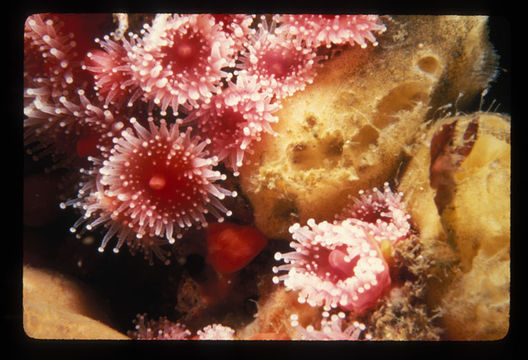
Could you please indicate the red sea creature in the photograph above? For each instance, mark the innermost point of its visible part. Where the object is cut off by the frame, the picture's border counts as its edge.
(84, 28)
(237, 26)
(63, 117)
(180, 60)
(49, 127)
(334, 265)
(67, 127)
(162, 329)
(280, 64)
(216, 332)
(234, 119)
(48, 51)
(49, 67)
(330, 329)
(55, 44)
(231, 247)
(317, 30)
(153, 184)
(381, 213)
(100, 209)
(112, 72)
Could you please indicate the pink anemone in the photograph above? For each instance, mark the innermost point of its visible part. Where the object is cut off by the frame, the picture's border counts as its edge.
(317, 30)
(279, 62)
(331, 328)
(154, 183)
(181, 60)
(235, 119)
(334, 265)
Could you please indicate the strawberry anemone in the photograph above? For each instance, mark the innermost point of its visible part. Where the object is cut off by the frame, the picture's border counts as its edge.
(234, 119)
(216, 332)
(238, 26)
(280, 63)
(331, 328)
(381, 212)
(343, 263)
(161, 329)
(180, 60)
(69, 128)
(317, 30)
(334, 265)
(55, 44)
(63, 117)
(153, 183)
(48, 52)
(164, 329)
(101, 209)
(111, 70)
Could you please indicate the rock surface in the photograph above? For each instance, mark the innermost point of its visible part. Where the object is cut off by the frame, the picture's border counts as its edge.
(463, 218)
(56, 307)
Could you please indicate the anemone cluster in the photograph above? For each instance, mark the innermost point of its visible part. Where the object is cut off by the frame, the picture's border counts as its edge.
(211, 82)
(153, 120)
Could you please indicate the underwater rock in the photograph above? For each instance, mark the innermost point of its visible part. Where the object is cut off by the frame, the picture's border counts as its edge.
(56, 307)
(457, 188)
